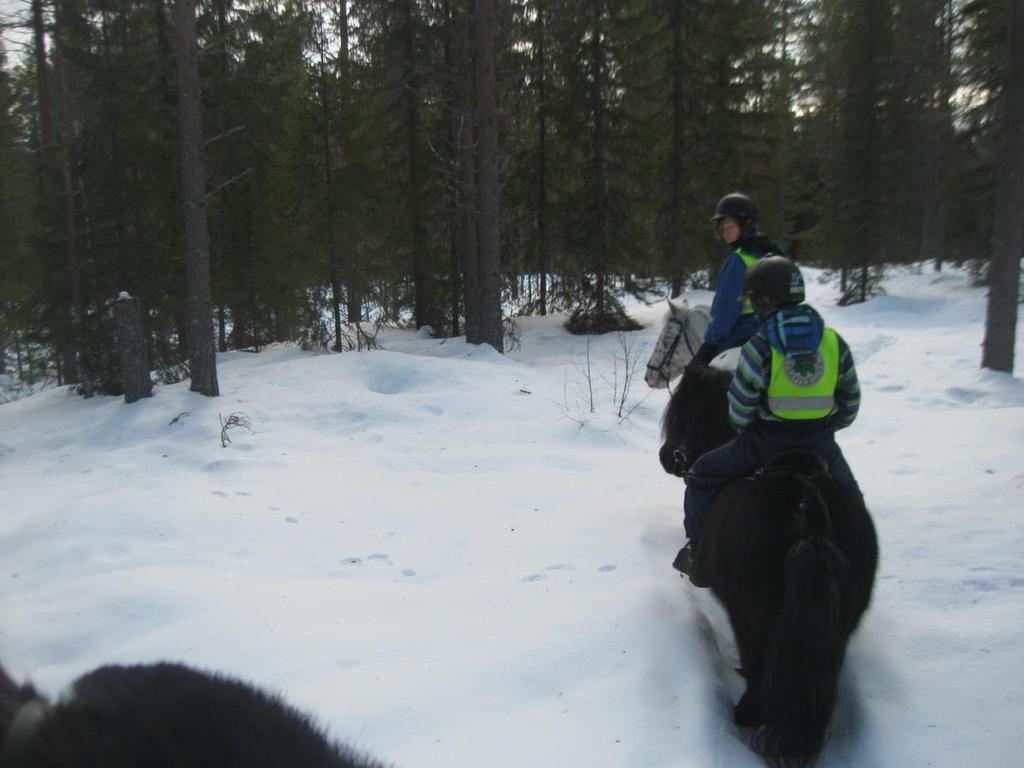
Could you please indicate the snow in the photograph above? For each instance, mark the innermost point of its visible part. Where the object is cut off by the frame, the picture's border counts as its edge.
(446, 557)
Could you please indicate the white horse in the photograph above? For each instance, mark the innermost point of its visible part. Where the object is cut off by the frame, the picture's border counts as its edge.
(678, 343)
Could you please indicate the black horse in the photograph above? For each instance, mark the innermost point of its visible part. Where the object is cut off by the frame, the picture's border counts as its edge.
(791, 555)
(161, 716)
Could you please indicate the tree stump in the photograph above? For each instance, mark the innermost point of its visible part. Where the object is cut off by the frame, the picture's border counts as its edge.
(132, 344)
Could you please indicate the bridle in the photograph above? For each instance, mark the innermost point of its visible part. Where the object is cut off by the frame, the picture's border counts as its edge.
(684, 326)
(679, 454)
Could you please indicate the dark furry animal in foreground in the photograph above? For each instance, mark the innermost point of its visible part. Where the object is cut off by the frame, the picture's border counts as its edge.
(161, 716)
(791, 554)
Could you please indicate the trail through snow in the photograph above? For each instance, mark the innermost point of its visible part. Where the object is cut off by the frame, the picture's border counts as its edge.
(446, 557)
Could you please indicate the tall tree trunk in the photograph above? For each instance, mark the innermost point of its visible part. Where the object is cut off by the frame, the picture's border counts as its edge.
(452, 201)
(938, 117)
(219, 237)
(1008, 232)
(455, 267)
(600, 234)
(333, 267)
(468, 242)
(422, 291)
(870, 205)
(351, 265)
(131, 341)
(164, 49)
(491, 330)
(42, 81)
(222, 328)
(781, 104)
(542, 180)
(674, 256)
(197, 248)
(124, 276)
(77, 364)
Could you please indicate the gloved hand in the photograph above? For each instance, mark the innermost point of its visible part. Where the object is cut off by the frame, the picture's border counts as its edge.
(670, 460)
(705, 354)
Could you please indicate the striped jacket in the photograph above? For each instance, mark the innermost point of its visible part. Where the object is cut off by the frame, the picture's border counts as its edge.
(748, 400)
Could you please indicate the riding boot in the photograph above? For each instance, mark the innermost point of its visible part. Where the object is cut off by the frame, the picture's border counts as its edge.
(689, 563)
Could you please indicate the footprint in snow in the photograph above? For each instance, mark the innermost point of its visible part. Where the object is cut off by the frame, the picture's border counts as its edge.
(352, 561)
(964, 395)
(408, 572)
(242, 493)
(541, 576)
(219, 493)
(380, 557)
(563, 567)
(290, 520)
(981, 585)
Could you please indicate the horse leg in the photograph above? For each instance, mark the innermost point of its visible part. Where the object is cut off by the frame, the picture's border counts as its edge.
(752, 631)
(747, 712)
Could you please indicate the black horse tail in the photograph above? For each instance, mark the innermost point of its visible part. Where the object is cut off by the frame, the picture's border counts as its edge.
(807, 643)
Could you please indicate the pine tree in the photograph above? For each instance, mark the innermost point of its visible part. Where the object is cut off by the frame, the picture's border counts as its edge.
(203, 368)
(1008, 229)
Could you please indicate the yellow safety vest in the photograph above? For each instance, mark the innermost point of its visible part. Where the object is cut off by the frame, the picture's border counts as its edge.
(803, 387)
(748, 259)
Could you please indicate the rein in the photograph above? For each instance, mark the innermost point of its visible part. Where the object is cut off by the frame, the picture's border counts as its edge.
(679, 454)
(17, 746)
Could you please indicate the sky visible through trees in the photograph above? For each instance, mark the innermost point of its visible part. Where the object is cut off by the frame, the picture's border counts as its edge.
(349, 147)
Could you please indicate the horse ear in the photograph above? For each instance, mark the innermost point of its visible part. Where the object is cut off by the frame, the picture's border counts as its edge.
(677, 306)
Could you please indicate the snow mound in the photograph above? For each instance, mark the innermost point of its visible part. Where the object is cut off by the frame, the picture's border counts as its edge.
(471, 545)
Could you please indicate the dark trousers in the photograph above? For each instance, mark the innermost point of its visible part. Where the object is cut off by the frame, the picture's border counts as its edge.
(747, 453)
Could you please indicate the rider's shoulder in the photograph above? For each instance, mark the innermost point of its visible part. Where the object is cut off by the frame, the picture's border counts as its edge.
(757, 347)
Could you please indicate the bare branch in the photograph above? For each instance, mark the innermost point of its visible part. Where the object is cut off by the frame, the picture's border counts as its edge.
(234, 420)
(224, 135)
(229, 182)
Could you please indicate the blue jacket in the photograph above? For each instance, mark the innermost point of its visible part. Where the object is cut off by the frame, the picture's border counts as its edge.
(728, 328)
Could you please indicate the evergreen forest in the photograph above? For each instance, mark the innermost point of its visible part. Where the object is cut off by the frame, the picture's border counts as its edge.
(456, 163)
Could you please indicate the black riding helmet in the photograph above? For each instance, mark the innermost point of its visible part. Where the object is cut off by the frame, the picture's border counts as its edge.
(737, 206)
(776, 278)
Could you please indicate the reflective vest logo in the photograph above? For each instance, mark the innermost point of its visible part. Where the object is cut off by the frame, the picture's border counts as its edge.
(804, 370)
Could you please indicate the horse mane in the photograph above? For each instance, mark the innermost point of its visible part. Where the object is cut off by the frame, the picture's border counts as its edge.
(697, 383)
(167, 715)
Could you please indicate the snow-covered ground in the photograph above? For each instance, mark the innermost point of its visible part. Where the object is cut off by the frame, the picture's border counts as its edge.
(442, 554)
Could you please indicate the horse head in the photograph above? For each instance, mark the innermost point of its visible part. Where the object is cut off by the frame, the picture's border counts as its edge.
(696, 419)
(679, 340)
